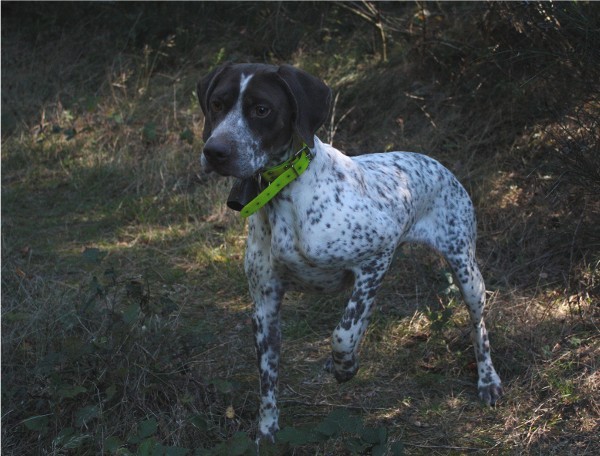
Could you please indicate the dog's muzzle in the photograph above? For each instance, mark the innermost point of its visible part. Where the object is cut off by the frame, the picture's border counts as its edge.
(217, 155)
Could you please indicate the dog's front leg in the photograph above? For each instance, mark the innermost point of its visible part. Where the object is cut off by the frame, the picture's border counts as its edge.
(267, 338)
(348, 334)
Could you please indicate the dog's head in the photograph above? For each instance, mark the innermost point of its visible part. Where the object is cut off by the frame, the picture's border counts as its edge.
(253, 112)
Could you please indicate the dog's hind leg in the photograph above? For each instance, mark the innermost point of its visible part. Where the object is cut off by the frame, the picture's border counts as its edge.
(450, 228)
(473, 290)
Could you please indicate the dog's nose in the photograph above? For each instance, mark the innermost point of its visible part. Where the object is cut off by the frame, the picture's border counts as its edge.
(217, 151)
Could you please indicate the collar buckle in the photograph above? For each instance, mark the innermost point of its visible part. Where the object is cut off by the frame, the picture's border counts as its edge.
(297, 157)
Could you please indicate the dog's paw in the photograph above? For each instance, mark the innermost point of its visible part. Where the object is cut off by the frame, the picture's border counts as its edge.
(266, 433)
(490, 394)
(341, 375)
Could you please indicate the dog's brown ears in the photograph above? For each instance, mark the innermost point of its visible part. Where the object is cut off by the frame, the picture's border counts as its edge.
(203, 91)
(309, 96)
(311, 99)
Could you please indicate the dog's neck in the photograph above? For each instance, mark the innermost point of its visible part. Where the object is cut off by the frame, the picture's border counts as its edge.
(251, 194)
(285, 154)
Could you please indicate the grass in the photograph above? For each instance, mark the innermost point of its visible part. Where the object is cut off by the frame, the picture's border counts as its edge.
(125, 314)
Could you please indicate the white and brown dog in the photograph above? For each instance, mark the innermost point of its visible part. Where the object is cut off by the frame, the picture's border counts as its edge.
(337, 222)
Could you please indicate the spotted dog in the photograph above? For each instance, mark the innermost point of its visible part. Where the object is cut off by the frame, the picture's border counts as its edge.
(337, 224)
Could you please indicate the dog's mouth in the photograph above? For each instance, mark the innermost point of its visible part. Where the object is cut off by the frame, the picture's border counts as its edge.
(242, 192)
(216, 165)
(205, 166)
(223, 168)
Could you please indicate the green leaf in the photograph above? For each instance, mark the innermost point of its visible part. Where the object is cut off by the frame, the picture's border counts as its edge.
(70, 391)
(37, 423)
(70, 133)
(96, 288)
(223, 386)
(355, 445)
(147, 428)
(202, 332)
(199, 422)
(131, 313)
(111, 275)
(378, 450)
(187, 135)
(12, 317)
(112, 444)
(239, 444)
(293, 436)
(110, 392)
(328, 428)
(91, 103)
(397, 449)
(62, 436)
(93, 255)
(86, 414)
(148, 447)
(374, 435)
(175, 451)
(149, 132)
(67, 115)
(118, 118)
(135, 289)
(337, 421)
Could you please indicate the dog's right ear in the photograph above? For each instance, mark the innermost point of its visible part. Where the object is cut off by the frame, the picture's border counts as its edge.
(204, 90)
(311, 99)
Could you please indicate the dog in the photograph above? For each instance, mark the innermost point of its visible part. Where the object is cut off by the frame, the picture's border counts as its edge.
(331, 221)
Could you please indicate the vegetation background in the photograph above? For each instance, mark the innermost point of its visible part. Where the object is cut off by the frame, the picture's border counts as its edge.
(125, 315)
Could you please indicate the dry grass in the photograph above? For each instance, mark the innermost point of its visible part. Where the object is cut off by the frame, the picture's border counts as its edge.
(125, 316)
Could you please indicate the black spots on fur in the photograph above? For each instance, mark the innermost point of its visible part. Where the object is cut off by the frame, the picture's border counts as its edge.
(400, 170)
(346, 322)
(487, 378)
(268, 381)
(337, 199)
(313, 215)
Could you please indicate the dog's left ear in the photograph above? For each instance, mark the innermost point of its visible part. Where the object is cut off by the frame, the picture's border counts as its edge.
(203, 91)
(311, 99)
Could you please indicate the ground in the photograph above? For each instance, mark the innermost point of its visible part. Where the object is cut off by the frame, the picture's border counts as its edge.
(126, 320)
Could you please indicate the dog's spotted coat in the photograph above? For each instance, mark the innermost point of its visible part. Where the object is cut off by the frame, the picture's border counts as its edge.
(339, 223)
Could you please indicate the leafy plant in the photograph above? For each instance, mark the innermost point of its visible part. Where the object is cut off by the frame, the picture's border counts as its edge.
(344, 429)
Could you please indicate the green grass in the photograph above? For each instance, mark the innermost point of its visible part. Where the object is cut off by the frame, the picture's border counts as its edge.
(126, 321)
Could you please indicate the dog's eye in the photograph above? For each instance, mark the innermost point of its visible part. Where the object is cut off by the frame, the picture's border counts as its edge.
(261, 111)
(216, 106)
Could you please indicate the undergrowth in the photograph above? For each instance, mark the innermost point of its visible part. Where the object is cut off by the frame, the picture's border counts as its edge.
(126, 323)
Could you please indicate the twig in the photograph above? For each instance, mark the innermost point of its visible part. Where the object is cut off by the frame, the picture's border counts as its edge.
(444, 447)
(373, 17)
(333, 124)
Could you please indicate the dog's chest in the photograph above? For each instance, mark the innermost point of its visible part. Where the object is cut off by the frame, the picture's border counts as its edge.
(316, 249)
(305, 260)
